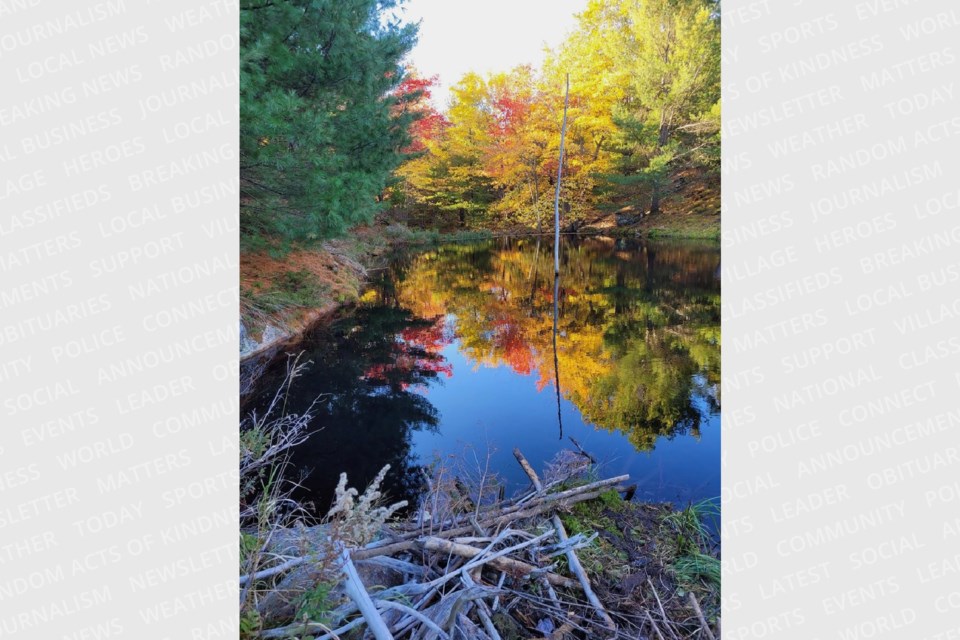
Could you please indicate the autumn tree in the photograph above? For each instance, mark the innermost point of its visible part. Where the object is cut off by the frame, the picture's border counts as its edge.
(644, 106)
(671, 52)
(425, 130)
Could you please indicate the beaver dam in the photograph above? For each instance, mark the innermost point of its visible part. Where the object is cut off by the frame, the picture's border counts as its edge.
(570, 556)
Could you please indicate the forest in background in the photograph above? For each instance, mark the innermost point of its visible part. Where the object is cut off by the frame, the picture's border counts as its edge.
(336, 128)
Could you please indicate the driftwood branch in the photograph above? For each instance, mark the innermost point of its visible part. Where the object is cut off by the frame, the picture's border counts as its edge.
(272, 571)
(534, 478)
(358, 593)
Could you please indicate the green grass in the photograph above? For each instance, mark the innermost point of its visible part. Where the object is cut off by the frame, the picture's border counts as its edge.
(688, 536)
(592, 516)
(694, 234)
(689, 527)
(696, 568)
(401, 234)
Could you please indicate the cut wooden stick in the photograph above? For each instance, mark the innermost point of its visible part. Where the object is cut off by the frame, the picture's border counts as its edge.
(534, 478)
(483, 612)
(663, 613)
(487, 622)
(272, 571)
(653, 624)
(577, 569)
(383, 550)
(509, 565)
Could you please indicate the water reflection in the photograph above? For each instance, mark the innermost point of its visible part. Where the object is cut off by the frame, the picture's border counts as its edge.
(638, 328)
(367, 369)
(637, 356)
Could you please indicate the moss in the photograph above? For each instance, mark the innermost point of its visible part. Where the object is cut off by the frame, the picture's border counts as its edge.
(598, 516)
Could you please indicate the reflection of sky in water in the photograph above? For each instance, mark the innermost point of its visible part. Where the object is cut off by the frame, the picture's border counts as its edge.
(481, 406)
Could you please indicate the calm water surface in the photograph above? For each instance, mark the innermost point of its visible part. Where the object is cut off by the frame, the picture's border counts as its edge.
(450, 351)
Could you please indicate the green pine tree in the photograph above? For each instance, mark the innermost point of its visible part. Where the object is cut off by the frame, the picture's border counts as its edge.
(320, 130)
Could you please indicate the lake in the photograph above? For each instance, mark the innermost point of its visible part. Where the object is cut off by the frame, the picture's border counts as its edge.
(449, 355)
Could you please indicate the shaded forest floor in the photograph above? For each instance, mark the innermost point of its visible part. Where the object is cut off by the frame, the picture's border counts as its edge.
(691, 209)
(283, 294)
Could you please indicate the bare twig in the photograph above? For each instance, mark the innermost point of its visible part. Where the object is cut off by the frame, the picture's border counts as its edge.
(582, 452)
(666, 620)
(653, 624)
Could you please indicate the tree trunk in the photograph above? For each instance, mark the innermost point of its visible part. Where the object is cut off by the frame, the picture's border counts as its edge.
(662, 138)
(655, 199)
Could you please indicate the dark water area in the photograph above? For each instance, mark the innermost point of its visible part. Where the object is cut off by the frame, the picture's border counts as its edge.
(450, 352)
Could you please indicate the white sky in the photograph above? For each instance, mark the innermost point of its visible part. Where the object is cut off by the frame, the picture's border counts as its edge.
(457, 36)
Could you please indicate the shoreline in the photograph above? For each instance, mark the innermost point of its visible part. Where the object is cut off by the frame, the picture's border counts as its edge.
(261, 337)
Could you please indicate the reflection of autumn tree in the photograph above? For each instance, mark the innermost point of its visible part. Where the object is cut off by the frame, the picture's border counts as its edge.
(414, 355)
(639, 329)
(367, 366)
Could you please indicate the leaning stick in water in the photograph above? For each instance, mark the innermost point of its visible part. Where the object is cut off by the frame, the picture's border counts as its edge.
(572, 560)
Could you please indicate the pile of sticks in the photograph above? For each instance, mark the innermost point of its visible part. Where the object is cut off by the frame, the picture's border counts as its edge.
(469, 574)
